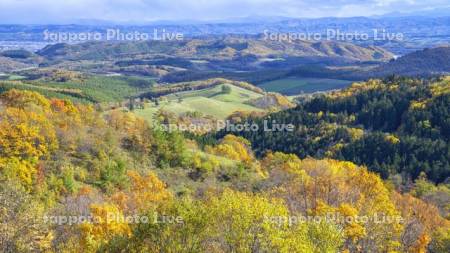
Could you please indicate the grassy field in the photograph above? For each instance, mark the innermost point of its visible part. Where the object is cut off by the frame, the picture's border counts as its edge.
(296, 85)
(209, 101)
(11, 77)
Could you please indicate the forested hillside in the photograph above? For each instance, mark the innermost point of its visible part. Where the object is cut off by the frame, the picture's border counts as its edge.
(77, 179)
(394, 127)
(427, 62)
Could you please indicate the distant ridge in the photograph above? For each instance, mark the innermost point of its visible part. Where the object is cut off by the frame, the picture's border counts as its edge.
(217, 48)
(433, 61)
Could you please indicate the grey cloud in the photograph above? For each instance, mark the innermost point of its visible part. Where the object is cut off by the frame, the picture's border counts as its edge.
(50, 11)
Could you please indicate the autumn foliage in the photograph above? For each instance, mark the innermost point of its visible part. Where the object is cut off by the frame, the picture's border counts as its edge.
(60, 159)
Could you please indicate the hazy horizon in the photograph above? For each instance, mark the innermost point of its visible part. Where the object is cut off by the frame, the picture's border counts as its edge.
(142, 11)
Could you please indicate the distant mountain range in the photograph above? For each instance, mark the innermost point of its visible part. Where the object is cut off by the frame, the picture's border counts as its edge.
(419, 29)
(252, 19)
(437, 12)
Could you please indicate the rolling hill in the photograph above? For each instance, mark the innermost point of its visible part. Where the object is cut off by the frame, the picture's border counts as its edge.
(216, 48)
(420, 63)
(7, 64)
(209, 101)
(242, 57)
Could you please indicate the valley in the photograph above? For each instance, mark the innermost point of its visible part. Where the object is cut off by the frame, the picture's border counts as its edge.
(248, 133)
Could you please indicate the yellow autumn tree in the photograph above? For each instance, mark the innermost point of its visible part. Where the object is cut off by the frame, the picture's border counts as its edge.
(421, 220)
(145, 192)
(319, 187)
(66, 114)
(26, 134)
(231, 222)
(233, 147)
(22, 99)
(107, 222)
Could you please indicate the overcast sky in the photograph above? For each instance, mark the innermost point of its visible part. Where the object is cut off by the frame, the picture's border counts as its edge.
(63, 11)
